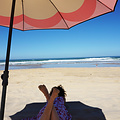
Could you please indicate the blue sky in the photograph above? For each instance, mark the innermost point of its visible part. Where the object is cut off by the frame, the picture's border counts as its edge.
(97, 37)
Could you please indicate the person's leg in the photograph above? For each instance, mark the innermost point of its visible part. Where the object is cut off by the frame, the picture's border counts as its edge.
(43, 89)
(54, 114)
(50, 111)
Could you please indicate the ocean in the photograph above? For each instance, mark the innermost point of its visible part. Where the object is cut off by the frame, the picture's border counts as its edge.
(111, 61)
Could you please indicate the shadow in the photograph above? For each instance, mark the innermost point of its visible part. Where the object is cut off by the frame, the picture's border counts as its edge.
(78, 110)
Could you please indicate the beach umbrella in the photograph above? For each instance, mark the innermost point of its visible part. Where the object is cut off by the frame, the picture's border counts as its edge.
(46, 14)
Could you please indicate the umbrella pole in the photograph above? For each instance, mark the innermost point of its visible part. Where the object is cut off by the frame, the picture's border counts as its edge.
(5, 75)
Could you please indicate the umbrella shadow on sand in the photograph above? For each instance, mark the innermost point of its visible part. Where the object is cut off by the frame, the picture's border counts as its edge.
(78, 110)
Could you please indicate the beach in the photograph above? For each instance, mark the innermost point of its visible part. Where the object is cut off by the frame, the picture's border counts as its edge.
(96, 87)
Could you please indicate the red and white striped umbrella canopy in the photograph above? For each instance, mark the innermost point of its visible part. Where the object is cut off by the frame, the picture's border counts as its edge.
(52, 14)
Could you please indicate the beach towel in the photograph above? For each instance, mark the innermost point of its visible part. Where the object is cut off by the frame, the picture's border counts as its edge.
(59, 104)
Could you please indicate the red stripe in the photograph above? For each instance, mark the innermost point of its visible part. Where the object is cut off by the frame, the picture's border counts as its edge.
(45, 23)
(6, 20)
(83, 13)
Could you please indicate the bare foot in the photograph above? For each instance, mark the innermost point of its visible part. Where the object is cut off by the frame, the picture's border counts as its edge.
(55, 93)
(44, 90)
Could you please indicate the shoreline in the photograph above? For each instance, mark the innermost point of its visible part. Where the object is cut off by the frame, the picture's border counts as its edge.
(74, 62)
(82, 65)
(96, 87)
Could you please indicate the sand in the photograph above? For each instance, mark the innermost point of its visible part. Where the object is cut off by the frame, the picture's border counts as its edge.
(96, 87)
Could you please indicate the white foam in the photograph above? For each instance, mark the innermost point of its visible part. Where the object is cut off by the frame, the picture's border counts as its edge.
(62, 61)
